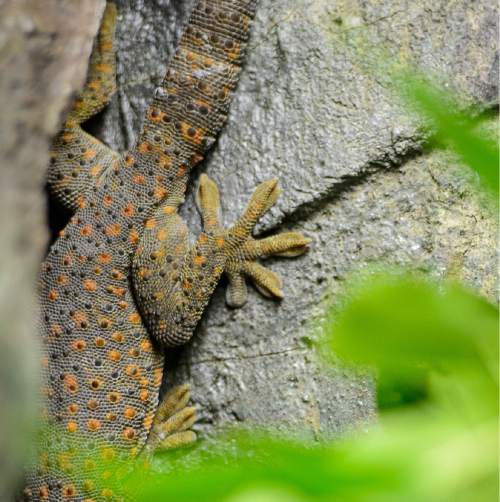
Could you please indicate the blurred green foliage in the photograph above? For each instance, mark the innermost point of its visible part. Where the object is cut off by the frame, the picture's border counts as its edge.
(435, 444)
(451, 127)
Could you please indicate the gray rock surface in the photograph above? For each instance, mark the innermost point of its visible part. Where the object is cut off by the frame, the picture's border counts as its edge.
(316, 107)
(44, 49)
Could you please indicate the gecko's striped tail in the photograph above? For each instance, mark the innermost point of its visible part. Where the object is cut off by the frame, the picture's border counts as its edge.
(191, 106)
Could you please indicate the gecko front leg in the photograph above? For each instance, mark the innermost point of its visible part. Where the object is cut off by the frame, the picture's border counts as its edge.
(174, 282)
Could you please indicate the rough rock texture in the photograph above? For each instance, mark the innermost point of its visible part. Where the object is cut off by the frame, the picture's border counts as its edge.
(44, 49)
(315, 107)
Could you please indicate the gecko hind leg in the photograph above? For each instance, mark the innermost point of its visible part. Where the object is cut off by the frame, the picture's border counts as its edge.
(78, 159)
(173, 421)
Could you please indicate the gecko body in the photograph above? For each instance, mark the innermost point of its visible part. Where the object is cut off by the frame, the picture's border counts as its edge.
(122, 282)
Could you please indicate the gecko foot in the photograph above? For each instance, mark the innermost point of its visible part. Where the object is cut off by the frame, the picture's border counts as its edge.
(171, 427)
(242, 250)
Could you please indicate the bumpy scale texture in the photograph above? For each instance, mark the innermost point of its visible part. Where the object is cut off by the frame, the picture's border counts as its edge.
(122, 281)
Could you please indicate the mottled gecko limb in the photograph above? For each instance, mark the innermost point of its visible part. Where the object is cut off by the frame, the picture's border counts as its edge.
(174, 283)
(78, 159)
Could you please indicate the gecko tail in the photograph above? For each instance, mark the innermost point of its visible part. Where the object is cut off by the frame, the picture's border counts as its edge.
(192, 103)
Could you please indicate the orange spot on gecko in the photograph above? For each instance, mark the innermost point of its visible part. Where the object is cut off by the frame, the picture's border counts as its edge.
(72, 408)
(150, 223)
(70, 383)
(113, 230)
(95, 384)
(114, 290)
(89, 154)
(106, 46)
(133, 370)
(43, 492)
(144, 273)
(155, 115)
(114, 355)
(89, 285)
(158, 374)
(68, 491)
(130, 413)
(94, 85)
(129, 433)
(148, 421)
(62, 279)
(56, 330)
(95, 170)
(104, 258)
(128, 210)
(199, 260)
(161, 235)
(86, 230)
(182, 170)
(134, 318)
(108, 200)
(53, 295)
(146, 346)
(191, 133)
(116, 274)
(93, 425)
(104, 322)
(111, 417)
(144, 147)
(133, 236)
(80, 319)
(72, 426)
(169, 209)
(139, 179)
(79, 345)
(67, 137)
(92, 404)
(100, 342)
(118, 337)
(160, 193)
(165, 161)
(129, 159)
(114, 397)
(103, 67)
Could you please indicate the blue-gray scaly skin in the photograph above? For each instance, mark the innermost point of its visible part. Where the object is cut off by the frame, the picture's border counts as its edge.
(121, 282)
